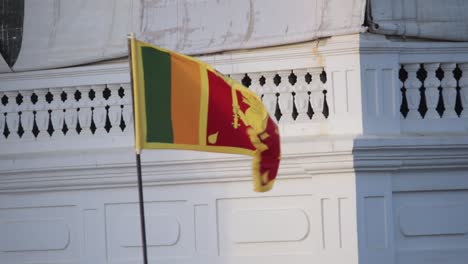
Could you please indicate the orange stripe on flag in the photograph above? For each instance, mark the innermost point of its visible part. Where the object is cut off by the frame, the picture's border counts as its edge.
(185, 99)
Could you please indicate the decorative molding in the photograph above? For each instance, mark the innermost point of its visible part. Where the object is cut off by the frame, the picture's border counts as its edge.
(446, 219)
(115, 167)
(413, 48)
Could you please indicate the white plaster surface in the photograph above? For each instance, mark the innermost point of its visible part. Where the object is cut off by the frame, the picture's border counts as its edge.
(363, 186)
(59, 33)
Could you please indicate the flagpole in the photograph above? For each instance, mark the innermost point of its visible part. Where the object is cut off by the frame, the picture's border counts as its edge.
(142, 208)
(138, 164)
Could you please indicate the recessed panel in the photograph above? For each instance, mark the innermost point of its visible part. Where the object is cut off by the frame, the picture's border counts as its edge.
(375, 222)
(34, 235)
(254, 226)
(163, 230)
(431, 225)
(169, 230)
(433, 220)
(40, 234)
(268, 225)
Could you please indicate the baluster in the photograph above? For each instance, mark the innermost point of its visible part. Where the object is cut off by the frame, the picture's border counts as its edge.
(432, 84)
(127, 111)
(464, 89)
(255, 85)
(27, 115)
(85, 112)
(316, 94)
(449, 90)
(413, 95)
(12, 121)
(285, 99)
(114, 110)
(301, 88)
(71, 113)
(12, 118)
(269, 94)
(57, 115)
(42, 114)
(99, 112)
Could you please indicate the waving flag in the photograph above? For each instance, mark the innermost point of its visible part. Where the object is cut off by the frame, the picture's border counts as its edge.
(183, 103)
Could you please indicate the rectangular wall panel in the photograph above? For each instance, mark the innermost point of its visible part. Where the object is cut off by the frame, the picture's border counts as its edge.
(264, 226)
(168, 225)
(431, 225)
(39, 234)
(375, 222)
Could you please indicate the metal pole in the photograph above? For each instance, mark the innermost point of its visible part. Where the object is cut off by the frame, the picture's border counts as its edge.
(138, 163)
(142, 209)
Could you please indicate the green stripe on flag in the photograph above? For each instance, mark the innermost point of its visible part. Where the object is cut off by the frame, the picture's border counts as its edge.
(157, 76)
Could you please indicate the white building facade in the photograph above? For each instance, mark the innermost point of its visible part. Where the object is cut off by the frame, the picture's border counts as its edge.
(374, 140)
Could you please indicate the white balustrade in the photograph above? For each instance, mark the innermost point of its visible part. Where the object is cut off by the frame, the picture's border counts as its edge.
(306, 91)
(97, 110)
(446, 98)
(55, 112)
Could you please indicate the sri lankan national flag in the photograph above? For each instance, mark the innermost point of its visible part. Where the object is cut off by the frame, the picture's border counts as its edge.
(182, 103)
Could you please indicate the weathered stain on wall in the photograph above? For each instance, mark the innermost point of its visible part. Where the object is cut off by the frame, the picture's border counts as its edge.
(11, 29)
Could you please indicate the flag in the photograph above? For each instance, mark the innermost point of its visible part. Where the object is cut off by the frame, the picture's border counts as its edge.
(183, 103)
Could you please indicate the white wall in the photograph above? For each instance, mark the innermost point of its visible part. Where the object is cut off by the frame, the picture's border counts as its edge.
(365, 185)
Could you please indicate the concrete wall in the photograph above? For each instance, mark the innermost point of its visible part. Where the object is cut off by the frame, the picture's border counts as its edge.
(364, 184)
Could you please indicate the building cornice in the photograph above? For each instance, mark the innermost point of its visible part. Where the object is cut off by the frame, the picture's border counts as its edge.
(302, 158)
(304, 55)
